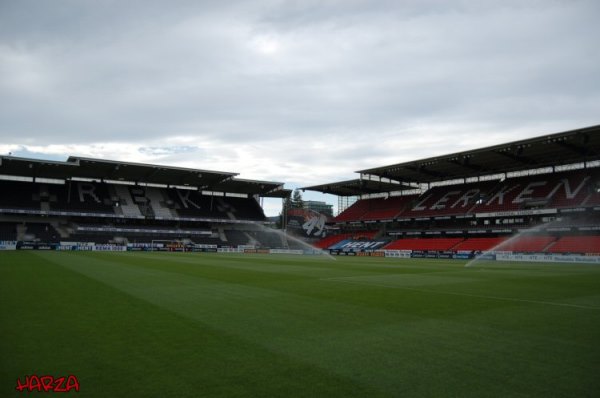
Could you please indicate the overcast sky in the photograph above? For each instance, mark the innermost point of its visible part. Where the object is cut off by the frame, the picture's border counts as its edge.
(303, 92)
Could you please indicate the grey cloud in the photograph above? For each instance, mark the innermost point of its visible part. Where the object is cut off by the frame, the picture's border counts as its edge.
(269, 72)
(169, 150)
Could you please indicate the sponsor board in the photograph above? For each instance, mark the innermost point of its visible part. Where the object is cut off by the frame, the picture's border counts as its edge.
(146, 249)
(441, 254)
(341, 253)
(397, 253)
(313, 252)
(8, 245)
(485, 256)
(230, 250)
(371, 254)
(286, 251)
(68, 243)
(462, 256)
(368, 253)
(203, 246)
(109, 248)
(35, 246)
(548, 258)
(514, 213)
(257, 251)
(75, 247)
(62, 247)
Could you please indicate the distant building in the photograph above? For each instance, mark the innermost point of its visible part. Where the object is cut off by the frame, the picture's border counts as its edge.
(318, 206)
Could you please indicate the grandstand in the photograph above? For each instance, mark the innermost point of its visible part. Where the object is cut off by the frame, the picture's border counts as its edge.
(539, 195)
(109, 202)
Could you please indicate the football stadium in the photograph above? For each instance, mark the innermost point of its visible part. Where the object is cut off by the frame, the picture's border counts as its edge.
(473, 274)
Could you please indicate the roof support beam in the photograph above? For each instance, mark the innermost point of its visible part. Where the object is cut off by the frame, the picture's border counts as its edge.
(517, 158)
(430, 173)
(580, 150)
(154, 171)
(466, 164)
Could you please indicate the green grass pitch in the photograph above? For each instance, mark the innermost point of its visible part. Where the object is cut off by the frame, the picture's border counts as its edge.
(225, 325)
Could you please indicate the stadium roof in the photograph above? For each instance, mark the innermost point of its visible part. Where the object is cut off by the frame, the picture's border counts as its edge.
(569, 147)
(358, 187)
(253, 187)
(154, 174)
(100, 169)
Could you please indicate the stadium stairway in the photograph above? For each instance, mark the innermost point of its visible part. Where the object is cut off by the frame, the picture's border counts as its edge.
(251, 240)
(126, 205)
(21, 231)
(62, 230)
(549, 246)
(157, 199)
(221, 235)
(479, 244)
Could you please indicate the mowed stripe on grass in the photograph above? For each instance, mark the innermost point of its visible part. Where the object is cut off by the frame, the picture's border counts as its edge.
(156, 324)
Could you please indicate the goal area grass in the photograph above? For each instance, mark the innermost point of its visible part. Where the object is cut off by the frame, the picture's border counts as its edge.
(233, 325)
